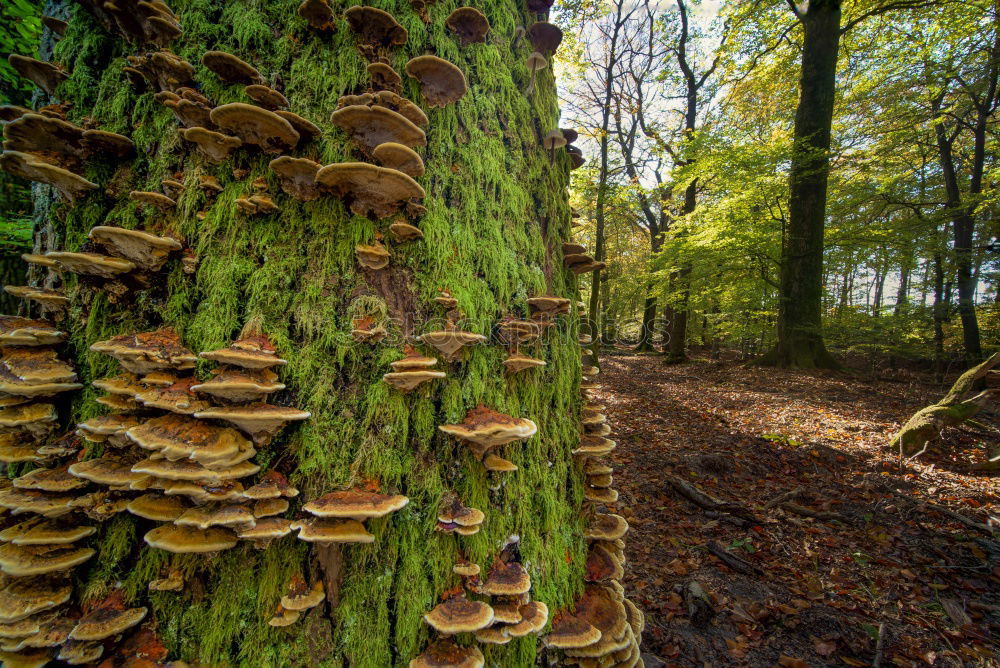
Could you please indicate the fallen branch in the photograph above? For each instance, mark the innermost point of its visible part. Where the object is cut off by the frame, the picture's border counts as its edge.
(731, 560)
(707, 501)
(815, 514)
(967, 521)
(782, 498)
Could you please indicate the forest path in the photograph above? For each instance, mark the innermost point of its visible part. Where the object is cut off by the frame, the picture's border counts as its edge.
(802, 590)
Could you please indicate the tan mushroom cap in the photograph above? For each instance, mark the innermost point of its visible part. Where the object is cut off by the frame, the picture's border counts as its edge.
(307, 129)
(269, 507)
(602, 607)
(119, 404)
(21, 598)
(283, 617)
(188, 540)
(485, 428)
(506, 580)
(154, 199)
(498, 464)
(571, 632)
(441, 82)
(35, 365)
(399, 157)
(47, 297)
(229, 68)
(407, 381)
(17, 331)
(383, 77)
(450, 342)
(443, 653)
(507, 611)
(101, 623)
(146, 250)
(238, 384)
(593, 445)
(266, 529)
(158, 507)
(25, 659)
(91, 264)
(513, 331)
(370, 126)
(519, 362)
(230, 515)
(298, 177)
(185, 469)
(35, 417)
(46, 76)
(454, 512)
(63, 378)
(300, 596)
(373, 256)
(105, 471)
(249, 352)
(600, 480)
(266, 96)
(26, 627)
(176, 398)
(469, 24)
(256, 418)
(272, 486)
(636, 618)
(405, 232)
(594, 467)
(38, 531)
(49, 139)
(355, 504)
(369, 189)
(606, 527)
(536, 61)
(600, 494)
(49, 480)
(40, 261)
(466, 569)
(319, 530)
(547, 304)
(12, 452)
(254, 125)
(493, 635)
(23, 560)
(35, 501)
(413, 360)
(215, 146)
(26, 166)
(534, 617)
(375, 27)
(178, 437)
(319, 14)
(147, 352)
(459, 615)
(79, 652)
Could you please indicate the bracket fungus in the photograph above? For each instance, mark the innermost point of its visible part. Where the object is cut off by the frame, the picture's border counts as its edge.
(459, 615)
(444, 653)
(534, 617)
(24, 560)
(26, 166)
(469, 24)
(148, 352)
(570, 632)
(370, 126)
(283, 617)
(593, 445)
(91, 264)
(383, 77)
(508, 579)
(319, 15)
(229, 68)
(518, 361)
(484, 429)
(251, 351)
(318, 530)
(376, 29)
(257, 126)
(369, 189)
(20, 598)
(266, 96)
(606, 527)
(355, 504)
(35, 372)
(187, 540)
(307, 129)
(450, 342)
(301, 596)
(146, 250)
(104, 622)
(455, 517)
(399, 157)
(441, 82)
(412, 371)
(17, 331)
(178, 437)
(297, 177)
(261, 421)
(404, 232)
(215, 146)
(45, 75)
(238, 384)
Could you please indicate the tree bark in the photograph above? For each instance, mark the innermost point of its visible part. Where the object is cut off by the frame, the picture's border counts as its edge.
(294, 273)
(800, 339)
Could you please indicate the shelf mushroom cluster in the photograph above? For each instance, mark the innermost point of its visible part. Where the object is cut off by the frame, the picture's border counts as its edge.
(164, 440)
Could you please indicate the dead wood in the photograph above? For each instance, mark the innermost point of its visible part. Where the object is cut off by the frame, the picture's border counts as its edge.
(731, 560)
(707, 501)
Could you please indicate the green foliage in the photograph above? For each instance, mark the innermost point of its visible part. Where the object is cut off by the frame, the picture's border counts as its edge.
(20, 31)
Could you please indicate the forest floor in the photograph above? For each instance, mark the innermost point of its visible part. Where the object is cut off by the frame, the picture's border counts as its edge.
(833, 559)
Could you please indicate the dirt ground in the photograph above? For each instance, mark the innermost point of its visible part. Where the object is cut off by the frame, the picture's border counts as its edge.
(820, 552)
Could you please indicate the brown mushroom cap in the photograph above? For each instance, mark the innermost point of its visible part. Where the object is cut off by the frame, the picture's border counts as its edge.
(187, 540)
(49, 480)
(319, 530)
(602, 563)
(383, 77)
(272, 486)
(58, 26)
(36, 418)
(22, 597)
(230, 515)
(176, 398)
(307, 129)
(188, 470)
(595, 446)
(450, 342)
(302, 597)
(506, 580)
(606, 527)
(12, 452)
(373, 256)
(26, 166)
(534, 616)
(554, 139)
(101, 623)
(47, 298)
(603, 608)
(104, 471)
(23, 560)
(576, 159)
(485, 428)
(466, 569)
(441, 82)
(91, 264)
(80, 652)
(536, 61)
(46, 76)
(570, 632)
(35, 372)
(17, 331)
(249, 352)
(405, 232)
(269, 507)
(178, 437)
(355, 504)
(266, 529)
(370, 126)
(493, 635)
(283, 617)
(239, 384)
(298, 177)
(47, 139)
(453, 511)
(498, 464)
(39, 531)
(254, 419)
(519, 362)
(257, 126)
(374, 27)
(443, 653)
(407, 381)
(548, 305)
(600, 495)
(369, 189)
(545, 37)
(104, 143)
(215, 146)
(157, 507)
(25, 659)
(319, 14)
(266, 96)
(459, 615)
(399, 157)
(229, 68)
(158, 200)
(146, 250)
(469, 24)
(147, 352)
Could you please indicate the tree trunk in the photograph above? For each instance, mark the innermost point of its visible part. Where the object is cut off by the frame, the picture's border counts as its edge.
(940, 313)
(800, 340)
(294, 274)
(903, 290)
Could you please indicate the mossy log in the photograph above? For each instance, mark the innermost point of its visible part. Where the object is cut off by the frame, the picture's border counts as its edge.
(926, 424)
(496, 215)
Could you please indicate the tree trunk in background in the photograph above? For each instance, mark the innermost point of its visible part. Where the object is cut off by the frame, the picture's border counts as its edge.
(294, 272)
(12, 272)
(903, 291)
(940, 312)
(800, 339)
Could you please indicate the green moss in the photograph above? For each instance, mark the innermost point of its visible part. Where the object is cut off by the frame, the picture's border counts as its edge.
(489, 189)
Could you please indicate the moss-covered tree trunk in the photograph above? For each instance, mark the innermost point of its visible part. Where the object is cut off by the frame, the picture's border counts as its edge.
(496, 215)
